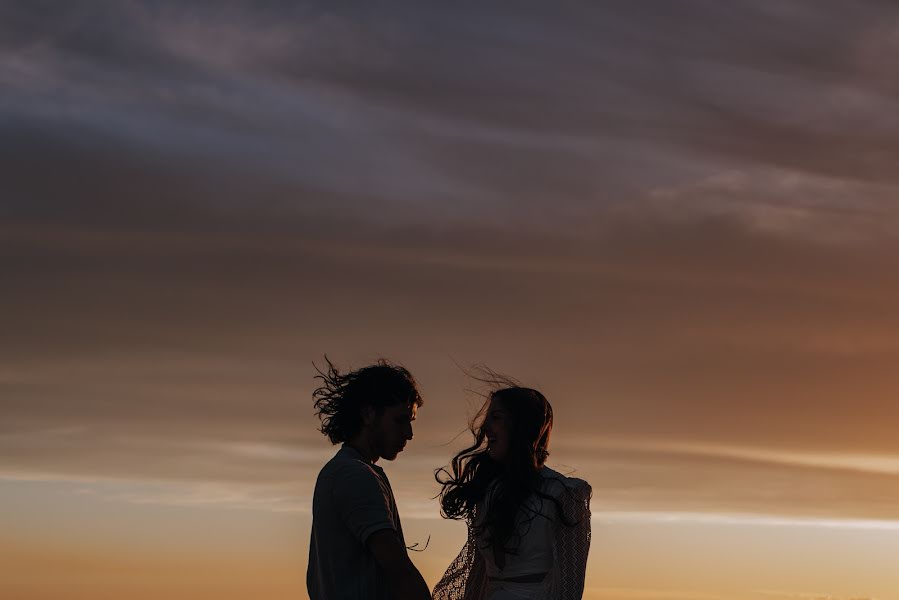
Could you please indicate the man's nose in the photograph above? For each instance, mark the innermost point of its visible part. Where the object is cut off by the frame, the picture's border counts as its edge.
(409, 431)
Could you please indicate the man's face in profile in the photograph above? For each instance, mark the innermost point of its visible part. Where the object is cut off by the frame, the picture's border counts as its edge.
(392, 429)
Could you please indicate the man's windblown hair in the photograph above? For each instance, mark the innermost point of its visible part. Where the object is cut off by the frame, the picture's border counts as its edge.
(340, 399)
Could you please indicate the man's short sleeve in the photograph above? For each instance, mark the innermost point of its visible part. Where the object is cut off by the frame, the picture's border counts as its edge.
(362, 502)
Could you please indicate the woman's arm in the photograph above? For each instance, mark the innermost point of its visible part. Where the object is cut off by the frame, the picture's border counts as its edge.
(466, 577)
(573, 544)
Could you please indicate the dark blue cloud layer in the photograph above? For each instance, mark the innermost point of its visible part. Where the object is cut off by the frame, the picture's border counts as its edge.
(442, 114)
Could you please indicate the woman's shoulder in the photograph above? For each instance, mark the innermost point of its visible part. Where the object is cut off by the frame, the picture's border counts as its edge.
(556, 484)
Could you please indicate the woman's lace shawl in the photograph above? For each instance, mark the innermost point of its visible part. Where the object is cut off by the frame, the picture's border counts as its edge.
(466, 577)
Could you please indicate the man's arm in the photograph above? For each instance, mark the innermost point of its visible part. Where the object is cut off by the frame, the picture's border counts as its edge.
(406, 583)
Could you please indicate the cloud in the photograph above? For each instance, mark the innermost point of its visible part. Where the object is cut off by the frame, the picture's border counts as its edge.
(494, 117)
(252, 466)
(808, 595)
(861, 463)
(680, 224)
(653, 593)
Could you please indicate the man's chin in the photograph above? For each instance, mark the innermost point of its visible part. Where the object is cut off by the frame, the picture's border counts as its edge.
(390, 455)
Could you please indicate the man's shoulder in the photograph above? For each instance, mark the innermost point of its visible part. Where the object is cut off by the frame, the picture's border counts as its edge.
(345, 464)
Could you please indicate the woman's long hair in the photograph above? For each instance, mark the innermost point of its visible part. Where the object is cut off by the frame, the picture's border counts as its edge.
(472, 471)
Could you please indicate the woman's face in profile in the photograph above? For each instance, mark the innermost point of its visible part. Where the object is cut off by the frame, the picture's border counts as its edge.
(498, 429)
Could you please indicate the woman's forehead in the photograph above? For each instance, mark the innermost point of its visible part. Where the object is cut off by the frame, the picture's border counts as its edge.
(495, 405)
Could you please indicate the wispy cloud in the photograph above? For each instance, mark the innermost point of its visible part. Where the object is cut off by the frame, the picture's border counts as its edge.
(745, 520)
(352, 105)
(809, 595)
(679, 224)
(886, 464)
(653, 594)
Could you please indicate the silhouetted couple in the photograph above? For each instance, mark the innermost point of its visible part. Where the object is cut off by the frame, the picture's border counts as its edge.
(528, 526)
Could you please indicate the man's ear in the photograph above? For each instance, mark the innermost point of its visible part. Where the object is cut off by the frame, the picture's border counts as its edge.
(368, 415)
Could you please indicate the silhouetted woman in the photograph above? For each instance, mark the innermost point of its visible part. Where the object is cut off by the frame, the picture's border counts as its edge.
(528, 525)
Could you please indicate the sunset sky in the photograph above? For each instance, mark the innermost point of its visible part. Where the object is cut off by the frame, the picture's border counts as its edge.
(679, 220)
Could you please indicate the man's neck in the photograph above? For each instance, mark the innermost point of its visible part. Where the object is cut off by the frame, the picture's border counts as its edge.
(363, 448)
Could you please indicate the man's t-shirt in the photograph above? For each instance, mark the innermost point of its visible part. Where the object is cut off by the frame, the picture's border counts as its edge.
(352, 500)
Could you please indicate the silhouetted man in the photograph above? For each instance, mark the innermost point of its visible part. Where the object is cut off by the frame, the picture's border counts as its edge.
(357, 549)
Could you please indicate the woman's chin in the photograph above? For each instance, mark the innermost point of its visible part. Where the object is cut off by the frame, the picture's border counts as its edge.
(494, 454)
